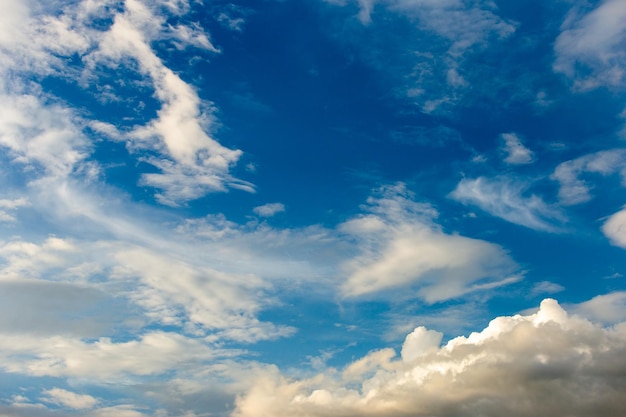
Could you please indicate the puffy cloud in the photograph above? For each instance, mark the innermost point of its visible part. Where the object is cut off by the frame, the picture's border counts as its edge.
(268, 210)
(547, 363)
(590, 48)
(69, 399)
(401, 246)
(615, 228)
(574, 190)
(516, 152)
(503, 198)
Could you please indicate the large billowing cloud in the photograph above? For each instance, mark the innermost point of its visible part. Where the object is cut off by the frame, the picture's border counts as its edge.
(547, 363)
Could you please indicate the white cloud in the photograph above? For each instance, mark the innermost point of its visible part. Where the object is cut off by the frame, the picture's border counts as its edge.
(516, 152)
(548, 363)
(420, 342)
(504, 198)
(103, 359)
(401, 246)
(7, 207)
(268, 210)
(607, 308)
(573, 189)
(615, 228)
(69, 399)
(590, 49)
(546, 287)
(41, 137)
(191, 162)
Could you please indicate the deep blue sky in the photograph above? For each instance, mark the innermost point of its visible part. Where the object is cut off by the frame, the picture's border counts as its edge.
(208, 204)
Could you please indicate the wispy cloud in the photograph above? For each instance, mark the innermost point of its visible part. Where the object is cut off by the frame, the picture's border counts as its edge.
(590, 48)
(504, 198)
(191, 163)
(614, 228)
(606, 308)
(453, 28)
(69, 399)
(401, 246)
(574, 190)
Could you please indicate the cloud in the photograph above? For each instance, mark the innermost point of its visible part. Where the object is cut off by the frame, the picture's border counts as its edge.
(36, 130)
(401, 247)
(41, 137)
(590, 48)
(546, 287)
(615, 228)
(69, 399)
(268, 210)
(192, 163)
(516, 152)
(444, 32)
(547, 363)
(455, 20)
(503, 198)
(574, 190)
(7, 207)
(103, 359)
(607, 308)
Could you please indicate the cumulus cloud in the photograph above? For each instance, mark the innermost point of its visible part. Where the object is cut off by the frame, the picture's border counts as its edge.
(402, 247)
(547, 363)
(268, 210)
(516, 152)
(574, 190)
(504, 198)
(590, 48)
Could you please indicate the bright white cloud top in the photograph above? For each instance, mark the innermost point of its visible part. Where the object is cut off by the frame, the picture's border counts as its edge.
(309, 208)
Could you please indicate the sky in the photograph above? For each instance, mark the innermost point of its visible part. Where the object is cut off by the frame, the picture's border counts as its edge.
(312, 208)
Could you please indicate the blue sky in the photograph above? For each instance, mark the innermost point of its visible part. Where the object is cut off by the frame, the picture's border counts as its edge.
(312, 208)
